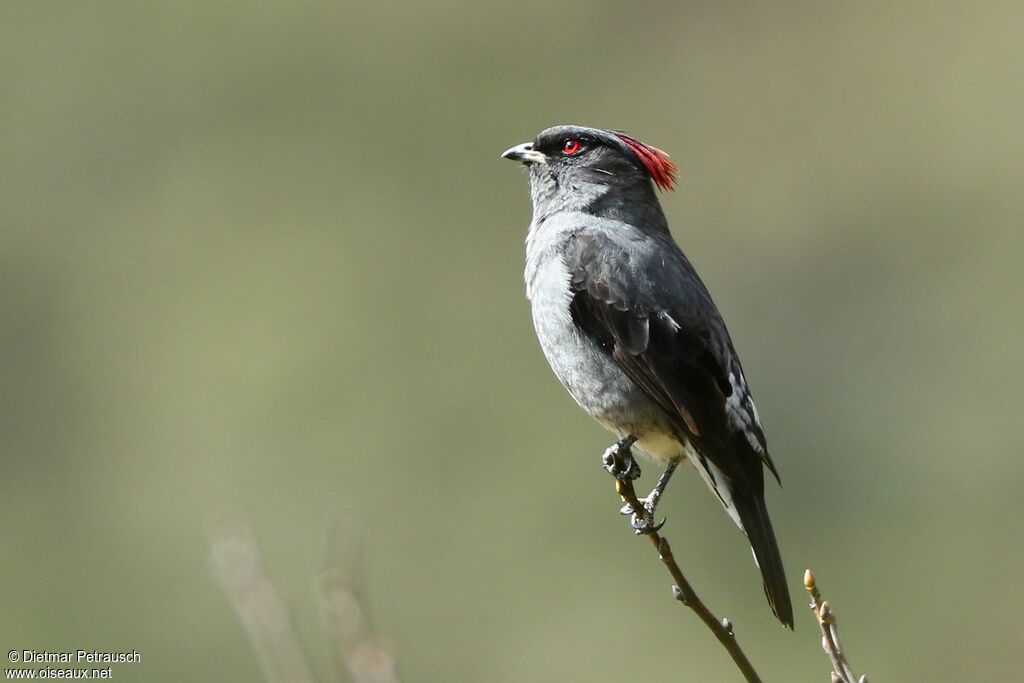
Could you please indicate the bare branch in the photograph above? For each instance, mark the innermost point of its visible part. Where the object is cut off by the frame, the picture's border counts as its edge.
(683, 590)
(236, 563)
(841, 670)
(354, 646)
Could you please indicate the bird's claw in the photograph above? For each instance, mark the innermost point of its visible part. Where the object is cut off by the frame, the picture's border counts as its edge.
(619, 461)
(621, 464)
(642, 522)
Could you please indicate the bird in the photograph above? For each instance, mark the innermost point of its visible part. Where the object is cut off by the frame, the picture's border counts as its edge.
(631, 331)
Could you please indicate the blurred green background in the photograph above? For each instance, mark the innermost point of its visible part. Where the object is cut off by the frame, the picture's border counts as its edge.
(266, 255)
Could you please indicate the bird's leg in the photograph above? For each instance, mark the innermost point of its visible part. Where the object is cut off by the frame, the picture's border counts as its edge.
(650, 503)
(619, 462)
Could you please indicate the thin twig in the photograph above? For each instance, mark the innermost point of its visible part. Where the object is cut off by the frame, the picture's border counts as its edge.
(683, 590)
(841, 670)
(354, 645)
(236, 563)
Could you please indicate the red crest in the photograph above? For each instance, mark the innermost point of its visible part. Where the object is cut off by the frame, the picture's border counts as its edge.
(663, 171)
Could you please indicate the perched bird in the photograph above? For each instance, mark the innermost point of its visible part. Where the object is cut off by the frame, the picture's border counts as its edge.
(631, 331)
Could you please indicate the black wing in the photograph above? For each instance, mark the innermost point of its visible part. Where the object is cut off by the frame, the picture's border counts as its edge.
(641, 300)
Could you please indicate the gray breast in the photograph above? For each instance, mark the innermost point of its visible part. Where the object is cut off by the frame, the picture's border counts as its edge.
(590, 376)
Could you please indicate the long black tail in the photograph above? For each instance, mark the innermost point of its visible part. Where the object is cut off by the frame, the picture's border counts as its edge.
(758, 527)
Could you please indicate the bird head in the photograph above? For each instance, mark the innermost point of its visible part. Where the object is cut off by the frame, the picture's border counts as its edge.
(578, 164)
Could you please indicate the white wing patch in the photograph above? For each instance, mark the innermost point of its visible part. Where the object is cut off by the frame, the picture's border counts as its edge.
(742, 412)
(673, 325)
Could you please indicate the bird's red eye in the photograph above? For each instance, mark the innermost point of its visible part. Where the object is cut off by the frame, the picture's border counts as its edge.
(571, 146)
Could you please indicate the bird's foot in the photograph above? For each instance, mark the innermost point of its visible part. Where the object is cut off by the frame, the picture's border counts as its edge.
(642, 520)
(619, 462)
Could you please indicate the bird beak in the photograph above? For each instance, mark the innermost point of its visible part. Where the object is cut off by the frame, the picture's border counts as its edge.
(524, 153)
